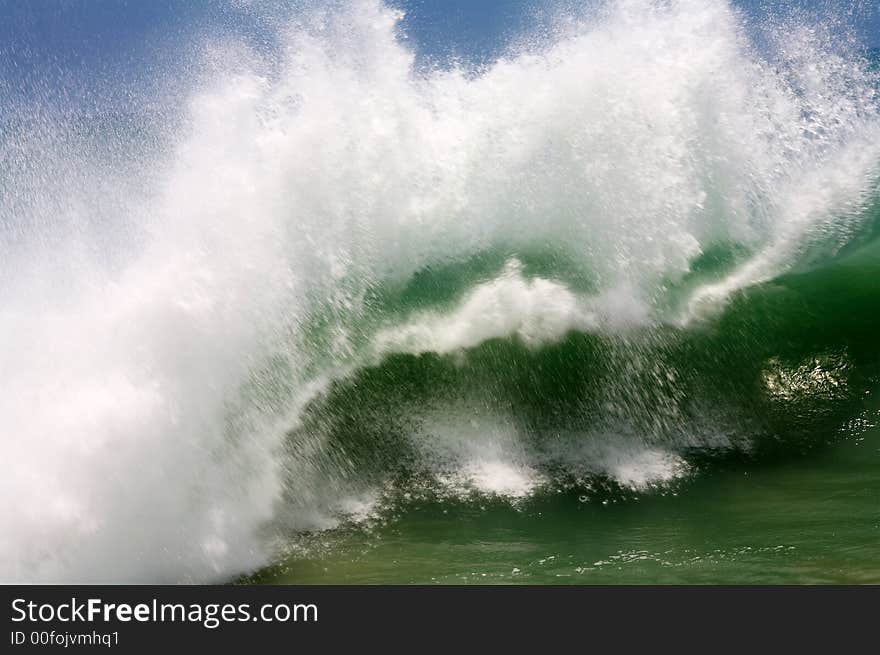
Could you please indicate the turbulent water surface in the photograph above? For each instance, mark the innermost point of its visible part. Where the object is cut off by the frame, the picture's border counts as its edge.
(603, 310)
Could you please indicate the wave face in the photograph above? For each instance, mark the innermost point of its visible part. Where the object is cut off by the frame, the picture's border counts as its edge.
(636, 241)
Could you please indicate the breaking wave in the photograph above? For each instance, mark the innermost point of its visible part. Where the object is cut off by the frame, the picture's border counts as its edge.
(642, 238)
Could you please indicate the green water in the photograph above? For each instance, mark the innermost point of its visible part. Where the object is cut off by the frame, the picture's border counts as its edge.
(812, 519)
(770, 408)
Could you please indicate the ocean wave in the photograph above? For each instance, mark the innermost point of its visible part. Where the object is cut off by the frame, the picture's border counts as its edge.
(337, 260)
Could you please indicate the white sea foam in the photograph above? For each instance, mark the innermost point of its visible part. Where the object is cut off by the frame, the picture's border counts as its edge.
(537, 311)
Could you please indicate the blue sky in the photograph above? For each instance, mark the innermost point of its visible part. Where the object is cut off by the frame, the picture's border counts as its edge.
(67, 45)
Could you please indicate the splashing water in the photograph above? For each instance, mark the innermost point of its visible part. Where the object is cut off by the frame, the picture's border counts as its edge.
(181, 325)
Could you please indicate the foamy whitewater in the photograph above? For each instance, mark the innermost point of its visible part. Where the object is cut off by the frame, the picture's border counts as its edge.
(167, 319)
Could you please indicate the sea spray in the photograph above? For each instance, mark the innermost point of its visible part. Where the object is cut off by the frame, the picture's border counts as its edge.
(180, 331)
